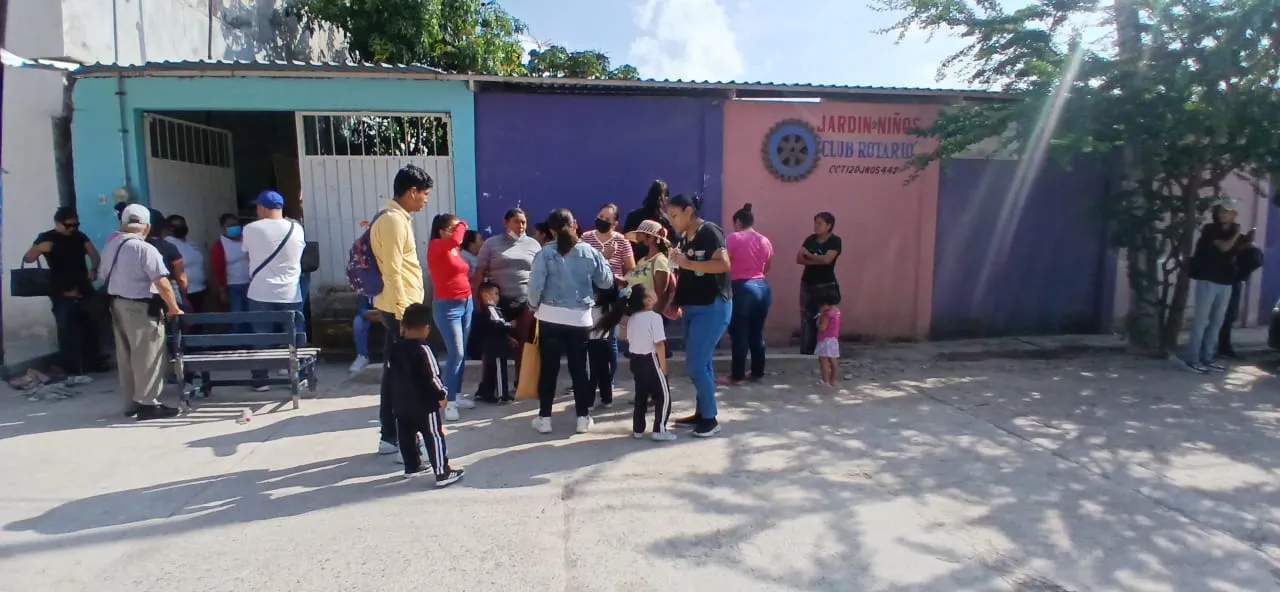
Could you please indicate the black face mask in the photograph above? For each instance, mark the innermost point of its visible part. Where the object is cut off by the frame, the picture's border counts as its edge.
(179, 232)
(603, 225)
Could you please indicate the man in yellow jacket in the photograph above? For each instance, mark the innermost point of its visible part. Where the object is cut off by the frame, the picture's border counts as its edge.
(396, 250)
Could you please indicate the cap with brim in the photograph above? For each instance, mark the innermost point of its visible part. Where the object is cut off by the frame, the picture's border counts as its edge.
(650, 228)
(270, 200)
(135, 215)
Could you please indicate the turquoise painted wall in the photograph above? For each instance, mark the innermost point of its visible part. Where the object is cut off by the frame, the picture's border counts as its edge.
(100, 167)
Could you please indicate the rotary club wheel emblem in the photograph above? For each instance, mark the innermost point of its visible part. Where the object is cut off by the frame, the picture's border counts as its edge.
(791, 150)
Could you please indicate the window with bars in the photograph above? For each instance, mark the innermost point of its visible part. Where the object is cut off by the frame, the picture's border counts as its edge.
(172, 139)
(375, 135)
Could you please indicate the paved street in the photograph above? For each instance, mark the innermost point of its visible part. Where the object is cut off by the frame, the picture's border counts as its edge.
(1093, 473)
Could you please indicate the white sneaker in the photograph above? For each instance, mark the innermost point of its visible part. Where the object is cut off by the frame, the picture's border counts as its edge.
(637, 435)
(77, 380)
(585, 423)
(359, 365)
(451, 412)
(663, 436)
(542, 425)
(261, 389)
(385, 447)
(465, 402)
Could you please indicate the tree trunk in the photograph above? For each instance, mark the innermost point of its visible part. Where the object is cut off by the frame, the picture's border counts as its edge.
(1142, 323)
(1182, 287)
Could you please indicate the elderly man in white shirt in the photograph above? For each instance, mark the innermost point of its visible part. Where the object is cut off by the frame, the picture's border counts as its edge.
(141, 299)
(274, 246)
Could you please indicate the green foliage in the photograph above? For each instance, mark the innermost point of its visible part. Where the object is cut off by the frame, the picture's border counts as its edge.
(468, 36)
(556, 61)
(1192, 103)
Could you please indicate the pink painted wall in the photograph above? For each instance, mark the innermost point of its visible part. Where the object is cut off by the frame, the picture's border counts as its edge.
(888, 228)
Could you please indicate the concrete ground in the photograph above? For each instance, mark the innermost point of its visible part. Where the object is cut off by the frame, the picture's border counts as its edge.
(1090, 472)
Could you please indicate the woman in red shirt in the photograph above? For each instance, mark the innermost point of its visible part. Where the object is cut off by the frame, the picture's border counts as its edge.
(451, 305)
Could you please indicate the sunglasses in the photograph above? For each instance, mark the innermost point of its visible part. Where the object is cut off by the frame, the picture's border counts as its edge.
(71, 225)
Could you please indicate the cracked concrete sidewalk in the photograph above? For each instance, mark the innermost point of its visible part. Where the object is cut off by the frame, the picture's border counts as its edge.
(1099, 472)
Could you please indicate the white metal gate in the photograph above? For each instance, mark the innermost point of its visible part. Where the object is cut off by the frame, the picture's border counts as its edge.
(348, 162)
(190, 171)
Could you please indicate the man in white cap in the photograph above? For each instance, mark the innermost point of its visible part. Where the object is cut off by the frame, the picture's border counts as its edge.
(141, 300)
(1213, 271)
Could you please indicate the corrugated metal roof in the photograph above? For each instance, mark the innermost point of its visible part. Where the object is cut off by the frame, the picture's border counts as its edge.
(730, 89)
(247, 67)
(736, 88)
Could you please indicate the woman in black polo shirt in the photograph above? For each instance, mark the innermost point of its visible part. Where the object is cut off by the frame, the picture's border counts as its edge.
(818, 255)
(704, 297)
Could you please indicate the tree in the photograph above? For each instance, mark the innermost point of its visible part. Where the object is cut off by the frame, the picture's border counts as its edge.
(1190, 102)
(468, 36)
(557, 61)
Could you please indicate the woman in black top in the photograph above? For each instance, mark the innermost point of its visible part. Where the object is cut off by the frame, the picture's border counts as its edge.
(818, 255)
(705, 300)
(73, 263)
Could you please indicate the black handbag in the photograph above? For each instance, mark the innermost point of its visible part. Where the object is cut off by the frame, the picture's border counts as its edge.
(31, 281)
(310, 257)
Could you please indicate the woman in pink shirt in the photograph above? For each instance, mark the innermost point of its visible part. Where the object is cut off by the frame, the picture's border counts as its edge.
(750, 256)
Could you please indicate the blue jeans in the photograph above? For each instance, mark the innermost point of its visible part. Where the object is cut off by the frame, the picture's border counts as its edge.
(299, 325)
(360, 327)
(453, 320)
(1210, 310)
(751, 301)
(703, 326)
(238, 301)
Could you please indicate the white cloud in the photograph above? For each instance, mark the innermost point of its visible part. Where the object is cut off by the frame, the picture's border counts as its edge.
(686, 39)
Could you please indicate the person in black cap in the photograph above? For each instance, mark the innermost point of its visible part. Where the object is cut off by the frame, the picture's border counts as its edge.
(172, 255)
(73, 262)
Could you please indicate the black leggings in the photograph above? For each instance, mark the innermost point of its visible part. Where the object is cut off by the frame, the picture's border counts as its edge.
(602, 357)
(555, 340)
(432, 432)
(650, 382)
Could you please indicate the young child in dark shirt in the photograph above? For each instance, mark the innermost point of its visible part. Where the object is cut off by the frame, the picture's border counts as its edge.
(492, 331)
(417, 396)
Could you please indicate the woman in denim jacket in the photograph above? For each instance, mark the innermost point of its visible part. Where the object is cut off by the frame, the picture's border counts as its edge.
(562, 286)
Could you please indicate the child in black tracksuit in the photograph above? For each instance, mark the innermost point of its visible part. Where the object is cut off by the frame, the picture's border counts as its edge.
(492, 331)
(417, 396)
(648, 344)
(602, 349)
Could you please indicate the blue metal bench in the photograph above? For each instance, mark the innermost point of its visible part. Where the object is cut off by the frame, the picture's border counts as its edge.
(210, 351)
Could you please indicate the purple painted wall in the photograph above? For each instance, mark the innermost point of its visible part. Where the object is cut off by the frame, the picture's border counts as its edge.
(1009, 266)
(1270, 263)
(543, 151)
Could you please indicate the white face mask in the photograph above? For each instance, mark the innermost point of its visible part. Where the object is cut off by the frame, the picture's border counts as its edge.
(513, 235)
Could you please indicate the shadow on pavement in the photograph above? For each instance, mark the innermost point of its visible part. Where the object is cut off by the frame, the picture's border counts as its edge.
(1058, 475)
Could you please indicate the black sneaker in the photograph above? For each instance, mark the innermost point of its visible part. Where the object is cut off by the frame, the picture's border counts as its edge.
(449, 478)
(690, 420)
(146, 412)
(706, 428)
(507, 399)
(132, 409)
(490, 399)
(1214, 366)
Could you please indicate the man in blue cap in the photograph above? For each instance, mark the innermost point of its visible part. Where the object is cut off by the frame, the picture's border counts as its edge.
(274, 246)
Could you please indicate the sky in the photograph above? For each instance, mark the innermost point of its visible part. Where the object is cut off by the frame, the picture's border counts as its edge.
(797, 41)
